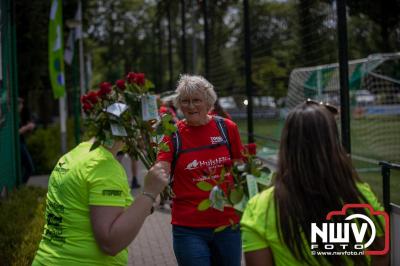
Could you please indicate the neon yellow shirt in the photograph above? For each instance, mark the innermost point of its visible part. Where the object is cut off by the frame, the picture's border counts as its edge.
(81, 178)
(258, 225)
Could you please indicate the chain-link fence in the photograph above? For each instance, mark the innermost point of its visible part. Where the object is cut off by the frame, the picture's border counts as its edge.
(9, 137)
(294, 56)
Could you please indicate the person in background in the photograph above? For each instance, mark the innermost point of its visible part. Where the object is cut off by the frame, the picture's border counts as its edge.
(219, 110)
(167, 107)
(134, 169)
(26, 126)
(314, 177)
(195, 240)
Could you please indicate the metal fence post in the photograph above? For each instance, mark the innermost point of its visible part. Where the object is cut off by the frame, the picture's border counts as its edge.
(171, 73)
(247, 55)
(206, 58)
(183, 26)
(343, 74)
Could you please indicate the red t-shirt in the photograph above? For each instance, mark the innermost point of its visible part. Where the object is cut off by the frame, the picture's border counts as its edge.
(202, 165)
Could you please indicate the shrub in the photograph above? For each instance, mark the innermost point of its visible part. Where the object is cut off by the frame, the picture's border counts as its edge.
(44, 144)
(21, 225)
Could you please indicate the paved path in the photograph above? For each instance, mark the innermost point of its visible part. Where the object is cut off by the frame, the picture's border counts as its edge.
(153, 244)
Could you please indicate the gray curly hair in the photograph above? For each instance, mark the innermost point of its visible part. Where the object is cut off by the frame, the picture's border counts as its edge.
(189, 84)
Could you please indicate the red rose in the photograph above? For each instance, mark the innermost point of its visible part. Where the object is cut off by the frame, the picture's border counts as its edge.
(84, 99)
(131, 77)
(105, 88)
(87, 106)
(137, 78)
(140, 79)
(92, 97)
(228, 164)
(120, 84)
(251, 148)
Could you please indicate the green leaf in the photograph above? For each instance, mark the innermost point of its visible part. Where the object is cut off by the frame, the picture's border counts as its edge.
(220, 228)
(204, 205)
(163, 146)
(205, 186)
(222, 175)
(148, 84)
(166, 118)
(236, 195)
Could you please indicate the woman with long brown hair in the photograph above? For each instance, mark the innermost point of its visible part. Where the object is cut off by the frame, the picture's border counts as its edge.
(314, 177)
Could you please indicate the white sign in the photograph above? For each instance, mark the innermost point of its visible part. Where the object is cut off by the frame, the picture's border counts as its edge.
(117, 130)
(149, 108)
(117, 109)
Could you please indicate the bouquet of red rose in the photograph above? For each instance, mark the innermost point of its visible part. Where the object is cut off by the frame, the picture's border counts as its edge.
(250, 177)
(128, 111)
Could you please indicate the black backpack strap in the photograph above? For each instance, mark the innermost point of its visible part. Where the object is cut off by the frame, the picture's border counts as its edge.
(224, 132)
(177, 145)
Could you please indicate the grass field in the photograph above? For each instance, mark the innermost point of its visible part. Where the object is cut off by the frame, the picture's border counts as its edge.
(377, 139)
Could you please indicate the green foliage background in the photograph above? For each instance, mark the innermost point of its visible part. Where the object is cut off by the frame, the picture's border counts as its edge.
(132, 35)
(21, 225)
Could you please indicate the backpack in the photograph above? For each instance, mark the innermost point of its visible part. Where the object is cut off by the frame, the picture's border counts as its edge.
(177, 144)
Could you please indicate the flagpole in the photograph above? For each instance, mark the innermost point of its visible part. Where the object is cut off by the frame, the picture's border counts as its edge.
(63, 122)
(56, 66)
(81, 58)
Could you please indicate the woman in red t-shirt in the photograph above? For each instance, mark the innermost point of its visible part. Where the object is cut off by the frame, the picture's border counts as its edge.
(203, 154)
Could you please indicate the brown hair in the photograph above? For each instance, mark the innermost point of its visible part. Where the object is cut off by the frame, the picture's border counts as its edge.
(315, 176)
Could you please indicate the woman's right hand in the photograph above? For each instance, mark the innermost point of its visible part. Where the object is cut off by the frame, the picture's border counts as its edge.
(157, 178)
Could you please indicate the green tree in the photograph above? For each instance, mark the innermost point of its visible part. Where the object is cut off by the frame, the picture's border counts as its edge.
(385, 13)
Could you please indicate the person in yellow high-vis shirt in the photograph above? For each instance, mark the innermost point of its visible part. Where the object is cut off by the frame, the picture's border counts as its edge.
(315, 176)
(90, 215)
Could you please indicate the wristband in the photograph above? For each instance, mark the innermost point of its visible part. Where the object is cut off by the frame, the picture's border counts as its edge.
(150, 195)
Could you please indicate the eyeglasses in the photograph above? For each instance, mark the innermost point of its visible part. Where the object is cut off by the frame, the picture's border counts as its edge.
(195, 102)
(333, 109)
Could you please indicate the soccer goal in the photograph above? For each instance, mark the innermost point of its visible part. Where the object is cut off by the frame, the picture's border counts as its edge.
(374, 84)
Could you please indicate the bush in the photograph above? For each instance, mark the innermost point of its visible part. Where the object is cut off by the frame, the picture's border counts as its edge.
(44, 144)
(21, 225)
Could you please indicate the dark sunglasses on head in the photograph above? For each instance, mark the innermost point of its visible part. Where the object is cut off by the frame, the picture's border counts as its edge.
(333, 109)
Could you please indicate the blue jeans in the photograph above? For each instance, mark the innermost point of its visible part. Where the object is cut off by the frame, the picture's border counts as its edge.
(204, 247)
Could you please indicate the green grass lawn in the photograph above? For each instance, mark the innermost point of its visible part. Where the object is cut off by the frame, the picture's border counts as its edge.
(377, 139)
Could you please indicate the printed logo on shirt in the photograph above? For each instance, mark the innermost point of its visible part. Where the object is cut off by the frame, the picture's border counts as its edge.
(60, 169)
(216, 140)
(212, 163)
(192, 165)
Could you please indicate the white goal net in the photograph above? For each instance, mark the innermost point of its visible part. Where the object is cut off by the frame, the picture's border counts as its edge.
(374, 84)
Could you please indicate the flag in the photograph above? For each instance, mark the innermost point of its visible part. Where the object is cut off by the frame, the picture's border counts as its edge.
(74, 34)
(56, 59)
